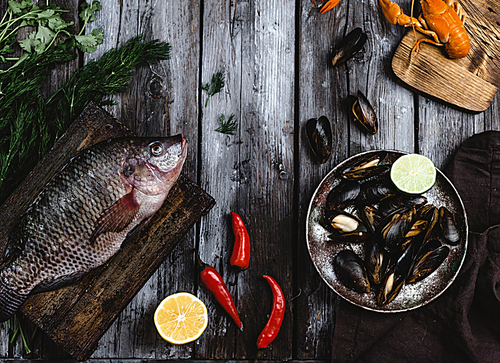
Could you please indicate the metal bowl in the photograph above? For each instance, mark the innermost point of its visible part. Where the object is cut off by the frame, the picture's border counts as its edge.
(413, 296)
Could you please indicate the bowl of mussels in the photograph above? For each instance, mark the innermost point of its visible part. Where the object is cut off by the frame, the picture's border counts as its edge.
(379, 248)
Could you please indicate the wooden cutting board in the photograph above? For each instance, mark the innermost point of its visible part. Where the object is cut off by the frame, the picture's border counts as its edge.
(469, 83)
(76, 316)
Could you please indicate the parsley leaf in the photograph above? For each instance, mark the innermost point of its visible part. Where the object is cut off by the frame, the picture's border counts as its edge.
(89, 42)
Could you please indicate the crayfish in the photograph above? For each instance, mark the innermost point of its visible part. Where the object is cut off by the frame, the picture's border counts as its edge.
(442, 21)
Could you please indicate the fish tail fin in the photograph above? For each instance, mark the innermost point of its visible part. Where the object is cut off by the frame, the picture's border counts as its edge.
(10, 301)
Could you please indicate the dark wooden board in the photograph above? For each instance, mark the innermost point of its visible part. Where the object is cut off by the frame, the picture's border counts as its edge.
(469, 83)
(77, 315)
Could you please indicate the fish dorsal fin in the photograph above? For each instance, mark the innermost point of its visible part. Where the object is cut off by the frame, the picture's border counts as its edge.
(117, 217)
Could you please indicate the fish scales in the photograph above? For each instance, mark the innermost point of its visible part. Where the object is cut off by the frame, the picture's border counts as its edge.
(85, 212)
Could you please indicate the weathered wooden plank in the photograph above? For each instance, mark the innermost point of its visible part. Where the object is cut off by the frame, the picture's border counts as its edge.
(392, 103)
(243, 171)
(162, 100)
(322, 90)
(442, 130)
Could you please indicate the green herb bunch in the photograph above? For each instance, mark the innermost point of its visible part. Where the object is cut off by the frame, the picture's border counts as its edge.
(48, 27)
(29, 124)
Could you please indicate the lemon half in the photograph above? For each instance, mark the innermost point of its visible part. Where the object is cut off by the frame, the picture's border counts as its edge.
(181, 318)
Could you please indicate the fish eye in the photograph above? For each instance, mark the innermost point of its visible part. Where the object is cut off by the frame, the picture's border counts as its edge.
(156, 149)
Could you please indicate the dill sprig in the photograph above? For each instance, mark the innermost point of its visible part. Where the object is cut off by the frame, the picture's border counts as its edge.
(29, 124)
(215, 86)
(109, 75)
(227, 126)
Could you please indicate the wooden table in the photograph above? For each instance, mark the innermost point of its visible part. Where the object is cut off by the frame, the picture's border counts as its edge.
(275, 57)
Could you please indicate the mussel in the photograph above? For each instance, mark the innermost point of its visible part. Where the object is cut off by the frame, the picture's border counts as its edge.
(364, 113)
(351, 271)
(448, 226)
(369, 168)
(390, 205)
(395, 277)
(376, 191)
(319, 135)
(346, 227)
(393, 228)
(375, 260)
(348, 46)
(429, 258)
(370, 216)
(343, 195)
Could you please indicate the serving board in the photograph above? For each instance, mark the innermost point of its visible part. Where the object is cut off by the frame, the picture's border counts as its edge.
(469, 83)
(76, 316)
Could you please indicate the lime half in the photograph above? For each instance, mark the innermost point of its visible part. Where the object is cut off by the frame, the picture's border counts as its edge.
(413, 173)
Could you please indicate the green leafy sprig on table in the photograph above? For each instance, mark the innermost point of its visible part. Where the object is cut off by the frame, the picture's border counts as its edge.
(214, 86)
(48, 27)
(29, 124)
(227, 126)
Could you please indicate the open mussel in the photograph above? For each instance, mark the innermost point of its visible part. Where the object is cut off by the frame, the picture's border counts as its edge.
(319, 135)
(343, 195)
(448, 227)
(363, 112)
(429, 258)
(395, 277)
(348, 46)
(351, 271)
(369, 168)
(346, 227)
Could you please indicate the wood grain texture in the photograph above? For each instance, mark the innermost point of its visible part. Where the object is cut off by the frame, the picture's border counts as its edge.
(469, 83)
(78, 315)
(243, 171)
(161, 100)
(275, 55)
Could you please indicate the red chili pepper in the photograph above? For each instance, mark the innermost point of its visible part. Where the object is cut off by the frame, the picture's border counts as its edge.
(213, 282)
(241, 250)
(275, 319)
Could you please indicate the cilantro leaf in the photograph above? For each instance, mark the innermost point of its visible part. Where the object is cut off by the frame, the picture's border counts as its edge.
(88, 43)
(19, 8)
(56, 24)
(87, 13)
(45, 35)
(29, 43)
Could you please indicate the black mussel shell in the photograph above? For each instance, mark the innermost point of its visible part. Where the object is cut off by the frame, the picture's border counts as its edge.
(348, 46)
(346, 227)
(319, 135)
(366, 173)
(351, 271)
(429, 258)
(375, 191)
(418, 227)
(390, 288)
(370, 216)
(364, 161)
(343, 195)
(390, 205)
(364, 113)
(393, 228)
(375, 260)
(448, 226)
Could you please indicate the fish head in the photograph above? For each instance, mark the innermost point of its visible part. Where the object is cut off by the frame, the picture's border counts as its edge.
(157, 165)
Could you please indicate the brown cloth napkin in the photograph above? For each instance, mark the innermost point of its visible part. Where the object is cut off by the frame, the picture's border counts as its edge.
(463, 324)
